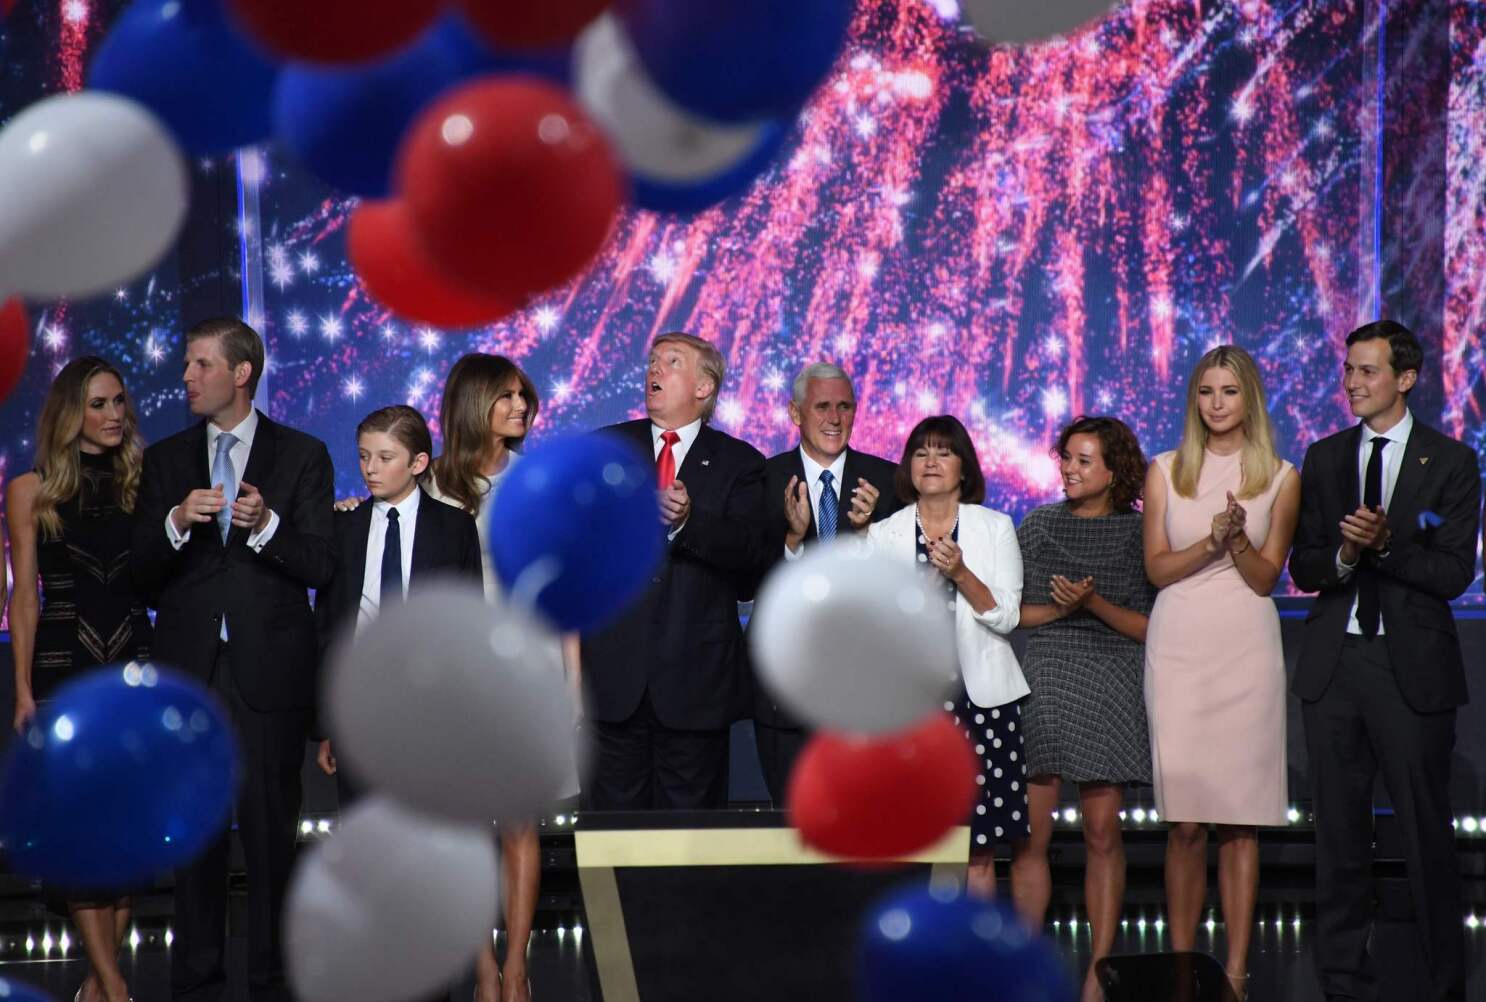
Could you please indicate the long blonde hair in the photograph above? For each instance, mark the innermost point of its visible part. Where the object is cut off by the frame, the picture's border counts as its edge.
(475, 383)
(58, 436)
(1259, 461)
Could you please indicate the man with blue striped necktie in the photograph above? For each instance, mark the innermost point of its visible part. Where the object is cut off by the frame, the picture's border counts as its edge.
(814, 493)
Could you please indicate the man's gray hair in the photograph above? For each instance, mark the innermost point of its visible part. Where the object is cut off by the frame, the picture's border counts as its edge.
(819, 370)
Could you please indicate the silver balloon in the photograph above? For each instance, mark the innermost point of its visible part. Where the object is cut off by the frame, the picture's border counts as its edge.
(1022, 21)
(653, 136)
(853, 640)
(92, 193)
(455, 707)
(393, 906)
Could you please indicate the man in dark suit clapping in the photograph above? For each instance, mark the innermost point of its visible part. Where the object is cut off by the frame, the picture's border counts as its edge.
(812, 493)
(668, 678)
(1387, 535)
(232, 527)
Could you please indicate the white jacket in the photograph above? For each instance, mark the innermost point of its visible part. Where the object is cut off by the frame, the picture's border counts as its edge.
(988, 542)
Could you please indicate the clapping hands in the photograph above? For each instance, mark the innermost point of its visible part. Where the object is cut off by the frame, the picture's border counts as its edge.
(1070, 596)
(1228, 525)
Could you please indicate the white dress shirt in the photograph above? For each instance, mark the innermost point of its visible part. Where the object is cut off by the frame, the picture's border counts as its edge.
(1398, 440)
(688, 434)
(376, 540)
(246, 429)
(813, 471)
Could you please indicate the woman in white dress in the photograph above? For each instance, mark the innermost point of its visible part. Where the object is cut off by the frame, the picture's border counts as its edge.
(488, 407)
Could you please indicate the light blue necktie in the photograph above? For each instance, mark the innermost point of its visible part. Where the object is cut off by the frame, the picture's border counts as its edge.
(222, 473)
(825, 523)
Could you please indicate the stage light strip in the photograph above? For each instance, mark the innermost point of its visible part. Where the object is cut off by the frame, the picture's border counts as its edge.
(730, 847)
(251, 167)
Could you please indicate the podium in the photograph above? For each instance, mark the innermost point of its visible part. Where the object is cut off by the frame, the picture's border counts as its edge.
(729, 905)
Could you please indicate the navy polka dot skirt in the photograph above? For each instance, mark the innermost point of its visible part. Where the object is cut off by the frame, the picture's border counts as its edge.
(1000, 813)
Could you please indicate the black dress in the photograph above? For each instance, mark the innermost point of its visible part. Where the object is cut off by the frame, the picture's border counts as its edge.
(91, 614)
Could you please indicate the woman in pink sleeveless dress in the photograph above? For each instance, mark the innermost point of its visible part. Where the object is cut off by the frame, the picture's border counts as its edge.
(1220, 512)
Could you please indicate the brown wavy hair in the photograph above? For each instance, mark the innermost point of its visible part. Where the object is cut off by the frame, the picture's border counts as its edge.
(60, 429)
(474, 385)
(1121, 452)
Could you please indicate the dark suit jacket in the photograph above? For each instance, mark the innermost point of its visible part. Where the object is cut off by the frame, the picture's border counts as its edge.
(264, 594)
(1424, 569)
(777, 472)
(446, 546)
(681, 639)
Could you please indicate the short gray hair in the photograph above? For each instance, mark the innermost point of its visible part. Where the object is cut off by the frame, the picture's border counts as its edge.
(819, 370)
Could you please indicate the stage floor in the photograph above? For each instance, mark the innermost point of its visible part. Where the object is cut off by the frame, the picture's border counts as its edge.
(562, 967)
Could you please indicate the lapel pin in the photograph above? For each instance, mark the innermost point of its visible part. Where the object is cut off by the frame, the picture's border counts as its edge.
(706, 462)
(1423, 460)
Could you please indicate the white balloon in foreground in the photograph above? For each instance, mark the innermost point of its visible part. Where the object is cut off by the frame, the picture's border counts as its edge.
(852, 640)
(391, 907)
(1020, 21)
(455, 707)
(93, 191)
(653, 136)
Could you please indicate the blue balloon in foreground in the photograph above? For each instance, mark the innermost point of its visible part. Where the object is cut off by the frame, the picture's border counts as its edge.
(694, 196)
(12, 990)
(180, 59)
(345, 123)
(940, 945)
(738, 60)
(127, 772)
(575, 530)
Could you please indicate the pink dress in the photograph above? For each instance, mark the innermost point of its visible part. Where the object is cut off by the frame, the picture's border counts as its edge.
(1215, 670)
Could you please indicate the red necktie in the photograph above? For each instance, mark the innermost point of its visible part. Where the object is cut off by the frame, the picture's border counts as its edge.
(665, 463)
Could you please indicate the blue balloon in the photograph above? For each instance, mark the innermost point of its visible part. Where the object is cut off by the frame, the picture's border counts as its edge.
(12, 990)
(940, 945)
(575, 529)
(180, 59)
(738, 60)
(127, 772)
(345, 123)
(686, 198)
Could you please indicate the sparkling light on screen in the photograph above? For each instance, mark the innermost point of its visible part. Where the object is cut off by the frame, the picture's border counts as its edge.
(1013, 236)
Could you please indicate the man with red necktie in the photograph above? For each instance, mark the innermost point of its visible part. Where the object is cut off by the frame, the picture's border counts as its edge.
(666, 680)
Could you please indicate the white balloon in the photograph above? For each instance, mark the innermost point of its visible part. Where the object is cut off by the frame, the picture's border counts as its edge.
(654, 137)
(852, 640)
(455, 707)
(93, 191)
(1030, 20)
(393, 906)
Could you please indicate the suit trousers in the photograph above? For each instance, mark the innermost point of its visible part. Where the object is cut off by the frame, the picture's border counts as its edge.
(640, 764)
(1360, 727)
(778, 748)
(271, 753)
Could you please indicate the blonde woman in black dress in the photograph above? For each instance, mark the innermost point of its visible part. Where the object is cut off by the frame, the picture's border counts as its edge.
(1085, 601)
(70, 522)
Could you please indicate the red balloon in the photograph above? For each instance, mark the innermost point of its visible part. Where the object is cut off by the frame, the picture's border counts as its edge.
(334, 31)
(879, 798)
(396, 270)
(15, 344)
(511, 187)
(534, 25)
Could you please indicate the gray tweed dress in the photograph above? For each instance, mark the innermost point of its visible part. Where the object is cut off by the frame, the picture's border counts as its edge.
(1085, 719)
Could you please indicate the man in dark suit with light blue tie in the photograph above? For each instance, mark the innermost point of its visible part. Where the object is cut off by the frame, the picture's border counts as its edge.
(812, 493)
(232, 529)
(1389, 516)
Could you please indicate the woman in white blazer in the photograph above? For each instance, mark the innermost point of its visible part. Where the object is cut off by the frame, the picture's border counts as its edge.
(973, 552)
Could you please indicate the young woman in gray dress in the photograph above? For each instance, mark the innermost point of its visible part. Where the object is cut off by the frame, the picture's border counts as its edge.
(1085, 601)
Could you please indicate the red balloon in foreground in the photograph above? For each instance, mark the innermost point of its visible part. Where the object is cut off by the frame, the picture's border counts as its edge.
(333, 31)
(397, 271)
(531, 24)
(15, 343)
(877, 798)
(511, 187)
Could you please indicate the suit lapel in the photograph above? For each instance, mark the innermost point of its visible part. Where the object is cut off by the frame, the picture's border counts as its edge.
(812, 534)
(1411, 474)
(696, 468)
(425, 538)
(1353, 497)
